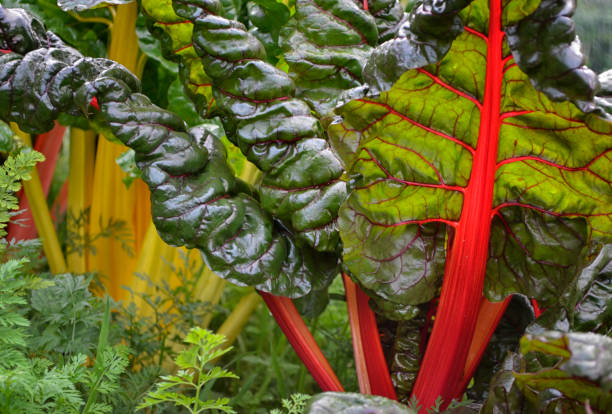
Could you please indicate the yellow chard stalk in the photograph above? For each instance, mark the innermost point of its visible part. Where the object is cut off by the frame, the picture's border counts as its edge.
(82, 154)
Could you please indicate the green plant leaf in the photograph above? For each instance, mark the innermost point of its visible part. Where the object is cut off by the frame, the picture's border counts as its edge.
(351, 403)
(326, 46)
(240, 241)
(80, 5)
(175, 35)
(301, 182)
(584, 373)
(505, 181)
(543, 147)
(89, 37)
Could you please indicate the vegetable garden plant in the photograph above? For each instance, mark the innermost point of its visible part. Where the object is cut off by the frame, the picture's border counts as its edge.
(441, 160)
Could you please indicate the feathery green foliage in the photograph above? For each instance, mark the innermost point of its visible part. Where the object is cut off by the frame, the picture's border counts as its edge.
(293, 405)
(189, 386)
(16, 168)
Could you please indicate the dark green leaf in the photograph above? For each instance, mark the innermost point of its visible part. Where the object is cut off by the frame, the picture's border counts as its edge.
(351, 403)
(585, 371)
(80, 5)
(90, 38)
(326, 47)
(196, 199)
(7, 142)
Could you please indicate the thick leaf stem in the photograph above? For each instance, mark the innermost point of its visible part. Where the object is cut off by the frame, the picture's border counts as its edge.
(372, 370)
(82, 154)
(42, 217)
(442, 368)
(302, 341)
(49, 145)
(489, 315)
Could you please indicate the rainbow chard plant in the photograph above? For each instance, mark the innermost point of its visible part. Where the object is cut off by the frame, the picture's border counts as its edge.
(444, 159)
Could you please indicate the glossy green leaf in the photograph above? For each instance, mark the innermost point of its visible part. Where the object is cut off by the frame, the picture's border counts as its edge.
(504, 181)
(406, 355)
(389, 16)
(175, 35)
(90, 38)
(351, 403)
(592, 310)
(414, 147)
(196, 199)
(151, 46)
(301, 182)
(7, 143)
(585, 371)
(267, 17)
(326, 46)
(80, 5)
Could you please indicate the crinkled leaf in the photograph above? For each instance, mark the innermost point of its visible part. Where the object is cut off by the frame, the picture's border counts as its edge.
(80, 5)
(593, 307)
(301, 183)
(7, 142)
(267, 18)
(268, 15)
(413, 150)
(407, 354)
(235, 158)
(90, 38)
(196, 199)
(175, 34)
(351, 403)
(389, 16)
(585, 371)
(326, 47)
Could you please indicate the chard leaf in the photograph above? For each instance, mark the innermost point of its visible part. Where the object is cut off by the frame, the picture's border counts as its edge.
(301, 182)
(468, 151)
(407, 355)
(593, 306)
(326, 46)
(584, 373)
(351, 403)
(80, 5)
(88, 37)
(196, 199)
(175, 35)
(551, 176)
(389, 16)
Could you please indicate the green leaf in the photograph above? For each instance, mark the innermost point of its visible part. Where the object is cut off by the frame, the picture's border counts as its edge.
(351, 403)
(80, 5)
(326, 47)
(7, 143)
(175, 34)
(593, 306)
(301, 182)
(406, 351)
(584, 373)
(127, 162)
(413, 150)
(89, 37)
(151, 46)
(179, 104)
